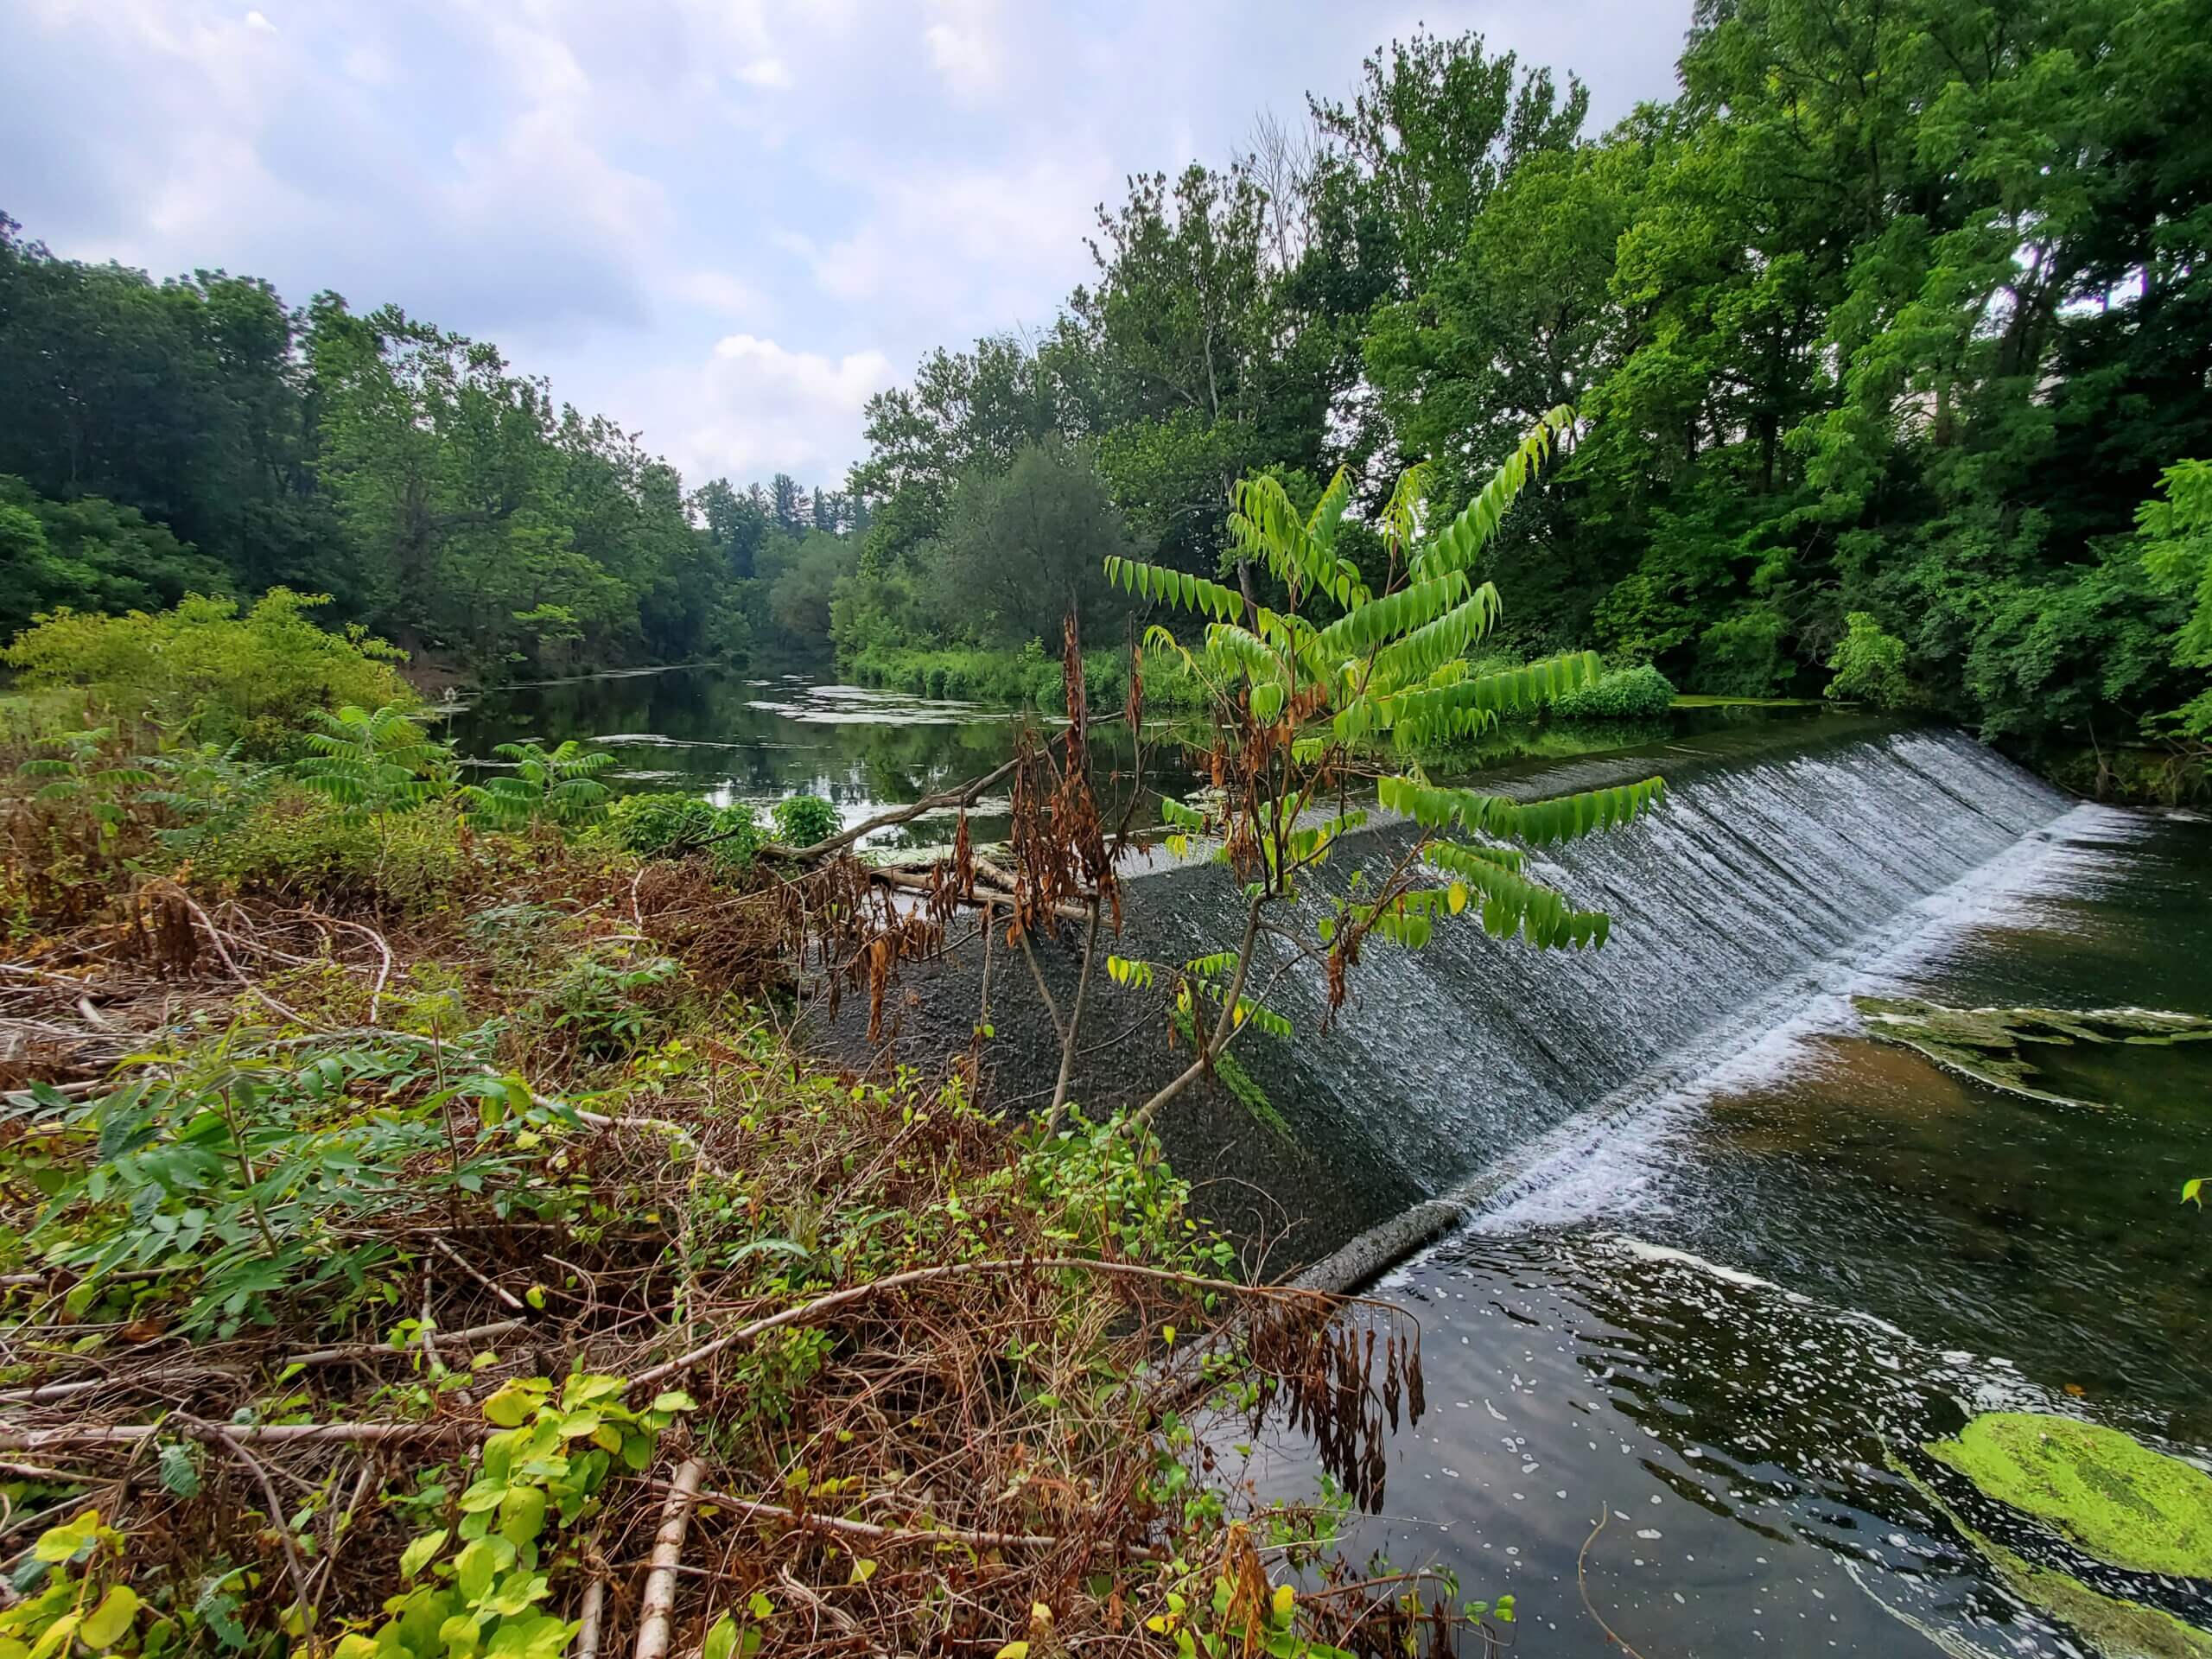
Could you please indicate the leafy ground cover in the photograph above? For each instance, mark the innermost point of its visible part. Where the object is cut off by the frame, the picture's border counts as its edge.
(418, 1237)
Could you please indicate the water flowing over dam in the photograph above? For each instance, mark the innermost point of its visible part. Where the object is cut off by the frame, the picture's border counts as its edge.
(1760, 870)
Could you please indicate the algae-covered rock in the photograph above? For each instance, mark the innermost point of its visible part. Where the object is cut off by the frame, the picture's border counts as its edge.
(1986, 1044)
(2110, 1494)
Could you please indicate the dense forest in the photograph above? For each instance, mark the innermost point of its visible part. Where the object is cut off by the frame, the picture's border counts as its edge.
(197, 436)
(1881, 334)
(1888, 338)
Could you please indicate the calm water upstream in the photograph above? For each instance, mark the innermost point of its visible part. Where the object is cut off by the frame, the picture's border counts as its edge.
(1729, 1262)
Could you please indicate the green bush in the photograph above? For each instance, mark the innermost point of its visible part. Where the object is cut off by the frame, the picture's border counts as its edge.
(204, 672)
(1029, 676)
(1869, 665)
(1635, 692)
(653, 825)
(305, 847)
(803, 820)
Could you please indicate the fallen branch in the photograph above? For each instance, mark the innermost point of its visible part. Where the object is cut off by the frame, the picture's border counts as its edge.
(506, 1296)
(345, 1350)
(660, 1601)
(655, 1375)
(873, 1534)
(15, 1439)
(587, 1624)
(228, 1440)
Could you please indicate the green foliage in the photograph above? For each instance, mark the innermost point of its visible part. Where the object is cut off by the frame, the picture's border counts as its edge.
(89, 554)
(2176, 536)
(1869, 665)
(1635, 693)
(82, 1602)
(653, 825)
(560, 785)
(611, 1002)
(308, 848)
(1294, 702)
(79, 769)
(804, 820)
(204, 670)
(483, 1582)
(248, 1172)
(372, 763)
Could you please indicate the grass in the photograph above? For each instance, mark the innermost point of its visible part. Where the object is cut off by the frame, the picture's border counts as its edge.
(1695, 700)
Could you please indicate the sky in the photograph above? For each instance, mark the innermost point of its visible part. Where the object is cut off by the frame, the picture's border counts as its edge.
(724, 223)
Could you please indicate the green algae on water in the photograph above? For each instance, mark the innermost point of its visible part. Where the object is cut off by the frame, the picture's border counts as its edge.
(1986, 1044)
(2106, 1491)
(2111, 1625)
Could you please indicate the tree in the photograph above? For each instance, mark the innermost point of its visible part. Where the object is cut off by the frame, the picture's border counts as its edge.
(2175, 532)
(1302, 708)
(89, 555)
(1436, 126)
(792, 509)
(799, 599)
(1023, 549)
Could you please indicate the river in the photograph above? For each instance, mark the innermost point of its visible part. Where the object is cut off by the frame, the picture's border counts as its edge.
(1725, 1260)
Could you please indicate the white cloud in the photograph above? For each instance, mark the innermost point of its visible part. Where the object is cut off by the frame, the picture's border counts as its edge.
(603, 191)
(719, 291)
(755, 407)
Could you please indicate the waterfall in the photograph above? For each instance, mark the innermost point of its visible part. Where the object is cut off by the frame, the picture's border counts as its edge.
(1757, 869)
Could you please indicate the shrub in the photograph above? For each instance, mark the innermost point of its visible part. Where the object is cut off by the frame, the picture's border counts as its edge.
(653, 825)
(1029, 676)
(1624, 693)
(204, 670)
(1869, 665)
(803, 820)
(300, 846)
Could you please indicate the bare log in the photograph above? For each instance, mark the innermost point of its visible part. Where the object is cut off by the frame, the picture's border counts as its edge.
(660, 1601)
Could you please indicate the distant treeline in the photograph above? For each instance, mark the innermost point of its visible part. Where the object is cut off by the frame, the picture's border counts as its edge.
(198, 435)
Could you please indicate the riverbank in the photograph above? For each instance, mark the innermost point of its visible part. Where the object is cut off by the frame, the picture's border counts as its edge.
(362, 1136)
(1026, 677)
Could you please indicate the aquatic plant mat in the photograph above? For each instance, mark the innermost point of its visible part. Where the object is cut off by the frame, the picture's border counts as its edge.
(491, 1279)
(1989, 1045)
(2107, 1495)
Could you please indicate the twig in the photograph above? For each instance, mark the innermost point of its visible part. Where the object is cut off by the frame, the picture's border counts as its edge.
(1582, 1583)
(875, 1534)
(588, 1625)
(1074, 1032)
(659, 1600)
(384, 1349)
(39, 1472)
(277, 1519)
(13, 1439)
(1043, 990)
(454, 1257)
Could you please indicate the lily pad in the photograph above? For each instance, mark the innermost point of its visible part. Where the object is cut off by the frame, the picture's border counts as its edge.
(2110, 1494)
